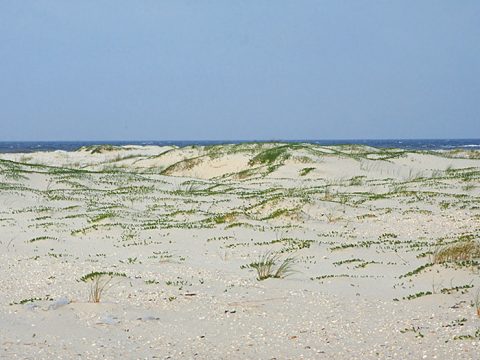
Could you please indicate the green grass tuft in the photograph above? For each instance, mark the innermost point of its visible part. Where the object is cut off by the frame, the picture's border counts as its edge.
(267, 266)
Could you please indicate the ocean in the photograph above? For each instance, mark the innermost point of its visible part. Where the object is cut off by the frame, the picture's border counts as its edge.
(407, 144)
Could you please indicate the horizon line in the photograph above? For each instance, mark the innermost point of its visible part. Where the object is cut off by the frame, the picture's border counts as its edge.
(240, 140)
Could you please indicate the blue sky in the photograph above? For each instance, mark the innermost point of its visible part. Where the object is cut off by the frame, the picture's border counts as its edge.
(158, 70)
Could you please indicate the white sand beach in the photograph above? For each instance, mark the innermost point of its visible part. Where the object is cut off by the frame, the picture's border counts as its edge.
(372, 237)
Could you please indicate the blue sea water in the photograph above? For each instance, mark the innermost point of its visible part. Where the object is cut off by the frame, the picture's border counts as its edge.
(417, 144)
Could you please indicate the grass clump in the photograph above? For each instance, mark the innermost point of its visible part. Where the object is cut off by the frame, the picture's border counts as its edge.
(225, 218)
(270, 156)
(460, 251)
(306, 170)
(99, 281)
(271, 265)
(277, 213)
(99, 149)
(101, 217)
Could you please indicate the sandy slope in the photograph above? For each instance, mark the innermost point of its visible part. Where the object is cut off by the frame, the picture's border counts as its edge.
(183, 224)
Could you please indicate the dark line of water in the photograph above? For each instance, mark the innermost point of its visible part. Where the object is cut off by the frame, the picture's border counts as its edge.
(407, 144)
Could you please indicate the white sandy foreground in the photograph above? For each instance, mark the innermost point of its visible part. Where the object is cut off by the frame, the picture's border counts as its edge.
(184, 223)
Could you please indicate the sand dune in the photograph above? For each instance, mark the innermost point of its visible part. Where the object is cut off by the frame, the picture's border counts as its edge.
(185, 227)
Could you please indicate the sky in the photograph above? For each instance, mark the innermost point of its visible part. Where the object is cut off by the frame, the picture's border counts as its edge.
(237, 69)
